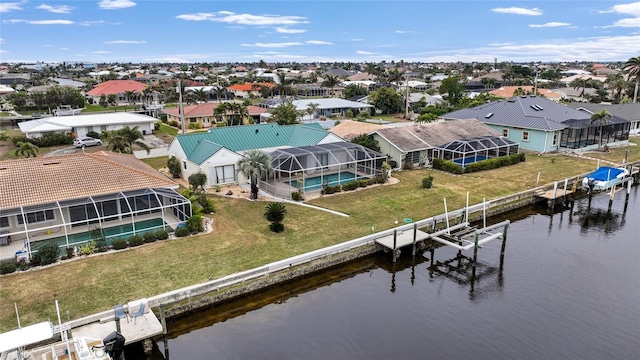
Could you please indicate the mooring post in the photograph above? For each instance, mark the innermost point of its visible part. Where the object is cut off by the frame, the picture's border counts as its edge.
(553, 197)
(564, 192)
(118, 325)
(395, 238)
(475, 258)
(415, 236)
(163, 320)
(538, 178)
(504, 243)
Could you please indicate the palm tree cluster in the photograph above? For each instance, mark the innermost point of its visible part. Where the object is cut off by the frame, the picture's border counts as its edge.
(233, 113)
(123, 140)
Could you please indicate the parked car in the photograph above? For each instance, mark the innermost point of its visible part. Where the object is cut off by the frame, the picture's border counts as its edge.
(86, 141)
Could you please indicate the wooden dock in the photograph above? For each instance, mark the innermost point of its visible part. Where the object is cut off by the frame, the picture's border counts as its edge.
(144, 328)
(550, 195)
(403, 238)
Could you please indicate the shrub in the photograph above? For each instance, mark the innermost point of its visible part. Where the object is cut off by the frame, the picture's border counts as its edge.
(276, 227)
(351, 185)
(101, 245)
(48, 140)
(182, 232)
(149, 237)
(195, 126)
(87, 248)
(494, 163)
(93, 134)
(163, 118)
(328, 189)
(23, 265)
(156, 126)
(407, 165)
(7, 267)
(296, 196)
(135, 240)
(427, 182)
(162, 234)
(448, 166)
(206, 204)
(363, 182)
(173, 123)
(47, 254)
(194, 224)
(174, 166)
(119, 244)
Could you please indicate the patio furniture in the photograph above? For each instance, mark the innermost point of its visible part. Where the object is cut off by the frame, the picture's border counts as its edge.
(120, 313)
(4, 238)
(135, 314)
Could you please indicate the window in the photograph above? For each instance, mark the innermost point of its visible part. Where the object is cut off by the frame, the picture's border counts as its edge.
(37, 216)
(193, 120)
(4, 222)
(224, 174)
(554, 140)
(525, 136)
(412, 157)
(505, 133)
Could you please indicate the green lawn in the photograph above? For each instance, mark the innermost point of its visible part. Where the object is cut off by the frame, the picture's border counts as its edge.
(157, 162)
(241, 240)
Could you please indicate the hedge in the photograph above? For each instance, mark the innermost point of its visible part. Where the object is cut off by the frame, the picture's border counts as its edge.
(448, 166)
(488, 164)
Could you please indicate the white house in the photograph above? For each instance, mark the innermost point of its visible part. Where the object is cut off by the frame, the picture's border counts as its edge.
(82, 124)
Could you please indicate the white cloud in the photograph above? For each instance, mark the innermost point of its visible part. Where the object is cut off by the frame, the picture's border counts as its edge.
(273, 45)
(357, 39)
(64, 49)
(3, 51)
(6, 7)
(319, 42)
(290, 31)
(403, 32)
(632, 9)
(39, 22)
(627, 23)
(549, 24)
(115, 4)
(518, 11)
(244, 19)
(89, 23)
(101, 52)
(1, 41)
(58, 9)
(126, 42)
(361, 52)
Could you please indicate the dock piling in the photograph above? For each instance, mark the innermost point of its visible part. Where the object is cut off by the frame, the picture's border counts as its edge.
(504, 243)
(415, 236)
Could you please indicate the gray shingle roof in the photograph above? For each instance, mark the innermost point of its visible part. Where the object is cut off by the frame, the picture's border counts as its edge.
(625, 111)
(529, 112)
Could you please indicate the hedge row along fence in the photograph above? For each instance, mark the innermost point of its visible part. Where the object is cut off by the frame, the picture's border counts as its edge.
(352, 185)
(494, 163)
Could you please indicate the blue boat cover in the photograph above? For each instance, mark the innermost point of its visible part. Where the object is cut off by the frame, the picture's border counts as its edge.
(605, 173)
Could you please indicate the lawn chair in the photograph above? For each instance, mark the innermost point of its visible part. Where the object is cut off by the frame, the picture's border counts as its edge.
(138, 312)
(120, 313)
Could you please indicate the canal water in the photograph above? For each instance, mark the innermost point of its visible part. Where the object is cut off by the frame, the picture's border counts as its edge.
(569, 289)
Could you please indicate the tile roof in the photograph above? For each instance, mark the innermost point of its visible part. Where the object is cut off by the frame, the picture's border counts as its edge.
(424, 136)
(250, 86)
(116, 87)
(247, 137)
(508, 91)
(75, 176)
(519, 111)
(206, 109)
(330, 103)
(349, 129)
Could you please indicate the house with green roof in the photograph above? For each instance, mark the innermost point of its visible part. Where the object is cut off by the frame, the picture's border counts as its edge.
(216, 152)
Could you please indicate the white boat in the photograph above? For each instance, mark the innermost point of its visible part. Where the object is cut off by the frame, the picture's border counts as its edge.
(14, 342)
(154, 106)
(82, 348)
(66, 110)
(604, 178)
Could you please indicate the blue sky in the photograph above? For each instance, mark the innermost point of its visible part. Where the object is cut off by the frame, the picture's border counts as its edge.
(312, 30)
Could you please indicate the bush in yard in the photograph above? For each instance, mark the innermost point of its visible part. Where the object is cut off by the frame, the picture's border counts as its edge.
(296, 196)
(351, 185)
(119, 244)
(194, 224)
(93, 134)
(87, 248)
(448, 166)
(7, 267)
(174, 166)
(135, 240)
(363, 182)
(427, 182)
(173, 123)
(23, 265)
(149, 237)
(47, 254)
(275, 212)
(182, 231)
(101, 245)
(162, 234)
(195, 126)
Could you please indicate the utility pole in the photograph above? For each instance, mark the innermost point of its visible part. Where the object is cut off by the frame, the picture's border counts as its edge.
(406, 106)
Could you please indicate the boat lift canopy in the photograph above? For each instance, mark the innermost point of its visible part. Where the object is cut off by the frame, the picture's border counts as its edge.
(28, 335)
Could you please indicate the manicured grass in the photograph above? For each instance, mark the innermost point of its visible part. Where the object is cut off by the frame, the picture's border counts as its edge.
(617, 154)
(157, 162)
(169, 130)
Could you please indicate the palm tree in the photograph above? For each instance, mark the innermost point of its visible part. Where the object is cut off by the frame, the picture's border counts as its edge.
(312, 109)
(239, 112)
(220, 112)
(130, 95)
(220, 90)
(3, 136)
(26, 149)
(577, 84)
(123, 140)
(331, 81)
(615, 83)
(284, 86)
(255, 165)
(201, 95)
(632, 68)
(275, 212)
(601, 118)
(117, 143)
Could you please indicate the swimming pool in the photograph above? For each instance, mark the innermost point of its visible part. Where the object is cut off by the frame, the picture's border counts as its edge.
(316, 182)
(110, 233)
(469, 160)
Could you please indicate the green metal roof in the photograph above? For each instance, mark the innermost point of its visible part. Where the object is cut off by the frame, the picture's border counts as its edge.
(200, 146)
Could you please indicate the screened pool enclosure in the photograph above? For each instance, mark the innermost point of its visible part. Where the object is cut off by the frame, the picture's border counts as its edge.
(466, 151)
(309, 168)
(70, 223)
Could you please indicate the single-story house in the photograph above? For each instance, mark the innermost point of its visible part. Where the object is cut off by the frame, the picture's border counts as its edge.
(541, 125)
(350, 129)
(248, 89)
(203, 114)
(80, 125)
(332, 107)
(510, 91)
(216, 151)
(118, 88)
(629, 112)
(73, 199)
(417, 145)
